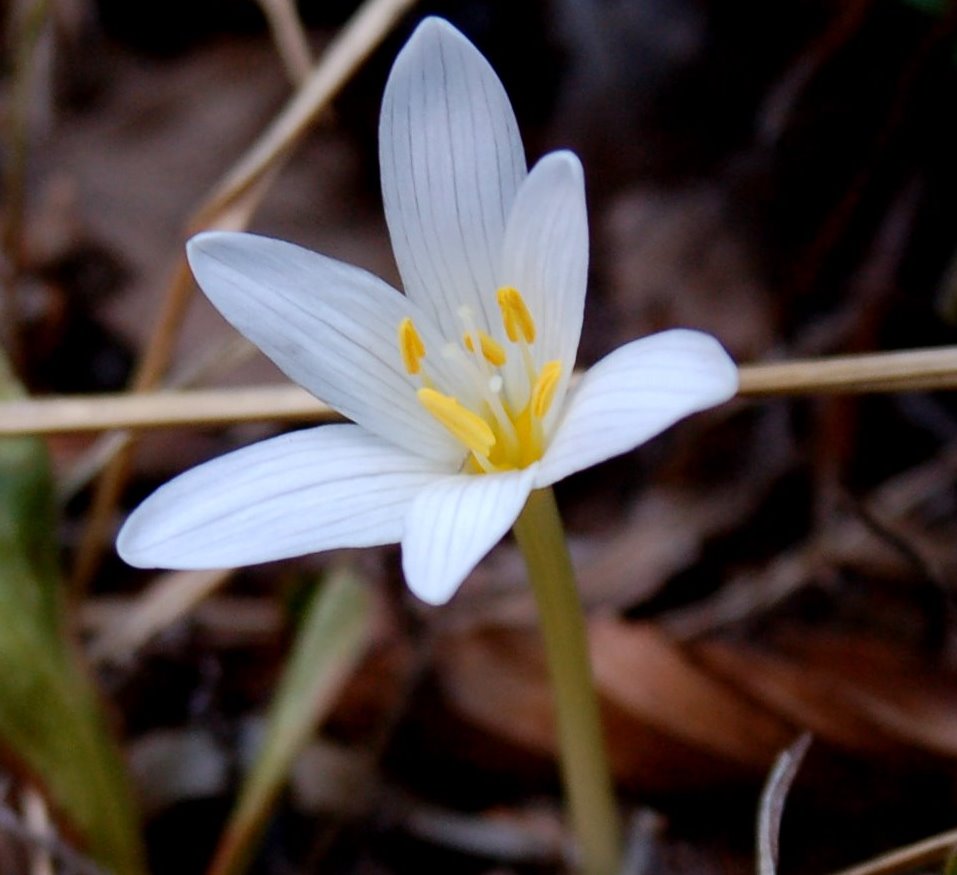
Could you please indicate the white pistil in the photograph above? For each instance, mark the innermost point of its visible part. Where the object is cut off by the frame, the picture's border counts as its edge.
(530, 372)
(481, 382)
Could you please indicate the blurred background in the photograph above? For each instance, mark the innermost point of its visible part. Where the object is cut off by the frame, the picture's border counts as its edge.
(782, 176)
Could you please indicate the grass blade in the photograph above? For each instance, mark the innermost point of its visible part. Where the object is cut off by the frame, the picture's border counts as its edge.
(329, 643)
(51, 722)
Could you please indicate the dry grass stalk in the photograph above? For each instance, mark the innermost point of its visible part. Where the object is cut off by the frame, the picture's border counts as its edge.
(161, 409)
(36, 816)
(918, 370)
(927, 853)
(289, 37)
(907, 371)
(168, 598)
(772, 803)
(340, 61)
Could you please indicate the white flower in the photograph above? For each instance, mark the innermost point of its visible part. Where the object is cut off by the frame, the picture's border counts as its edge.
(459, 389)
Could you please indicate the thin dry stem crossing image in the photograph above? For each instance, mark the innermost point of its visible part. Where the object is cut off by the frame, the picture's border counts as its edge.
(477, 436)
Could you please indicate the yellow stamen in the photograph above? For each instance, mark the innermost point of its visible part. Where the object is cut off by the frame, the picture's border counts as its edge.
(543, 392)
(411, 346)
(491, 348)
(468, 428)
(517, 320)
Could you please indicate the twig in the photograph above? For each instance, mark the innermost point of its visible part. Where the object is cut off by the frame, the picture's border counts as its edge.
(922, 853)
(289, 37)
(772, 803)
(908, 371)
(160, 410)
(911, 371)
(344, 55)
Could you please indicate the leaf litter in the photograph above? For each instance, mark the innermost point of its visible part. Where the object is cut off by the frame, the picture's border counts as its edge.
(766, 570)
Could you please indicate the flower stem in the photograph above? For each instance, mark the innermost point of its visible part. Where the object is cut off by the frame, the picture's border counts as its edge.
(588, 784)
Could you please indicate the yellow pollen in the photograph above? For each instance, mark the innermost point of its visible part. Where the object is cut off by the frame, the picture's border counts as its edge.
(465, 426)
(491, 349)
(410, 346)
(517, 320)
(543, 392)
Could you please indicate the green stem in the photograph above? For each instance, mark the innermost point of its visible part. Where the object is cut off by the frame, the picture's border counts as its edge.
(588, 784)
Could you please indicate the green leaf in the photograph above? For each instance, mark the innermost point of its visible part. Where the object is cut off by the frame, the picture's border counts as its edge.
(51, 722)
(330, 640)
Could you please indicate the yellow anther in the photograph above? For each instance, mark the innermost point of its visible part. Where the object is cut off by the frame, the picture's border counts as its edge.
(517, 320)
(467, 427)
(491, 349)
(410, 346)
(543, 392)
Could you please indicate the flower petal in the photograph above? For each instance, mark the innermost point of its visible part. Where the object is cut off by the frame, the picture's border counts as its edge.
(453, 523)
(451, 159)
(634, 393)
(302, 492)
(546, 253)
(329, 326)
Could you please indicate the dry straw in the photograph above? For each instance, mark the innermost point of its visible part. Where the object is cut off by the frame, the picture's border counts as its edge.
(910, 371)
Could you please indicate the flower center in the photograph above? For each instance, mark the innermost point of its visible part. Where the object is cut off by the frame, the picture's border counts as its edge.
(501, 430)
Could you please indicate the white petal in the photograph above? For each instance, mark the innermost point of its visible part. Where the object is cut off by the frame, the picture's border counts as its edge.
(546, 253)
(634, 393)
(451, 159)
(318, 489)
(453, 523)
(329, 326)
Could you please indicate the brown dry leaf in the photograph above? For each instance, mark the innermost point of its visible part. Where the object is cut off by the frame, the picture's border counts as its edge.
(815, 702)
(648, 675)
(909, 698)
(685, 716)
(669, 724)
(851, 690)
(495, 677)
